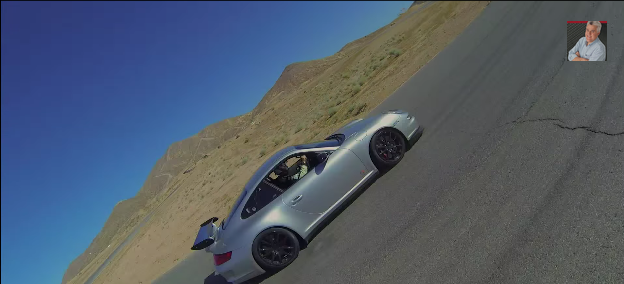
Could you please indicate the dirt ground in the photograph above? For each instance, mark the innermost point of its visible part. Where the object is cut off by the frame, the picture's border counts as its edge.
(342, 87)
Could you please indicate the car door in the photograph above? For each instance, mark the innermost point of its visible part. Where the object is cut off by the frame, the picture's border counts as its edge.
(326, 183)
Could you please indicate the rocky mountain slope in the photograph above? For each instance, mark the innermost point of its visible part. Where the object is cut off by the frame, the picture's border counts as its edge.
(177, 159)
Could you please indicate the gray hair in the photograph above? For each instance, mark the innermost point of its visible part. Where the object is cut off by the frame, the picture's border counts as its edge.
(597, 24)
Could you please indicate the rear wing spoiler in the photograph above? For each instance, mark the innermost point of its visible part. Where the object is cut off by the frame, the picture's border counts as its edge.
(206, 234)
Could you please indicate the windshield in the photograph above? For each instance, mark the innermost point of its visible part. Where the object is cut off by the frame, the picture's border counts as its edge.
(236, 204)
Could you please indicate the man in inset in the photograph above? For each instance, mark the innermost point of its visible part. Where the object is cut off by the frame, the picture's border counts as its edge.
(589, 48)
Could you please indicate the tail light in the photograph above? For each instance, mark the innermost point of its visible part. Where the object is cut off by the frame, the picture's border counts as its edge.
(222, 258)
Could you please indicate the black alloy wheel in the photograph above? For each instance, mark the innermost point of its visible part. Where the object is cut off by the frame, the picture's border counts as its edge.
(275, 248)
(387, 148)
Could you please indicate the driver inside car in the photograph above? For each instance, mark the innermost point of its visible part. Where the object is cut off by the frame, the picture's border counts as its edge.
(286, 177)
(303, 168)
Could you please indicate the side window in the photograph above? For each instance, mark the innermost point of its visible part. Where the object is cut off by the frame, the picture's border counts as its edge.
(264, 193)
(288, 172)
(318, 158)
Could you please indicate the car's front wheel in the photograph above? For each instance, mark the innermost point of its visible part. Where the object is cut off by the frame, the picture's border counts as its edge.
(275, 248)
(387, 148)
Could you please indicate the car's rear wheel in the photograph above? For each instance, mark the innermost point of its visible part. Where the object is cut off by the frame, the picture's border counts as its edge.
(387, 148)
(275, 248)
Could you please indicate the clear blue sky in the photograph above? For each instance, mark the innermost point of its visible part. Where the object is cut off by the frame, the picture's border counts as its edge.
(93, 93)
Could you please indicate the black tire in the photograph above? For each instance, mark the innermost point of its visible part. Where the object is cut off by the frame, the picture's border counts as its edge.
(387, 148)
(275, 254)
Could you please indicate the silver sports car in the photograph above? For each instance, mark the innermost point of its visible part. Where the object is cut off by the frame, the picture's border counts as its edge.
(282, 205)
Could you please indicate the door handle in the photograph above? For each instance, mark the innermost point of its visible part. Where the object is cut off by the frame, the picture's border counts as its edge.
(296, 199)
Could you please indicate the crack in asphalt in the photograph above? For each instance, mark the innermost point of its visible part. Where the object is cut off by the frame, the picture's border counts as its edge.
(589, 129)
(518, 121)
(559, 123)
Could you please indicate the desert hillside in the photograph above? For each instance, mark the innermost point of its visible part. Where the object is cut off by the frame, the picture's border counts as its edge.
(204, 173)
(178, 158)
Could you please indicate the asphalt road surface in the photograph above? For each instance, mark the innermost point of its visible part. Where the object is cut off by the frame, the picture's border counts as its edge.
(518, 178)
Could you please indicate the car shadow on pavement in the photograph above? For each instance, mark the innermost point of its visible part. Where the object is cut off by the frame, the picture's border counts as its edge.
(218, 279)
(215, 279)
(260, 279)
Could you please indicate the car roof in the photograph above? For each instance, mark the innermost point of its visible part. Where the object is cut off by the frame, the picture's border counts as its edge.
(319, 144)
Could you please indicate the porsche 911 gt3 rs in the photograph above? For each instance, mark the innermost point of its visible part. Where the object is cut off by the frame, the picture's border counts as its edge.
(281, 206)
